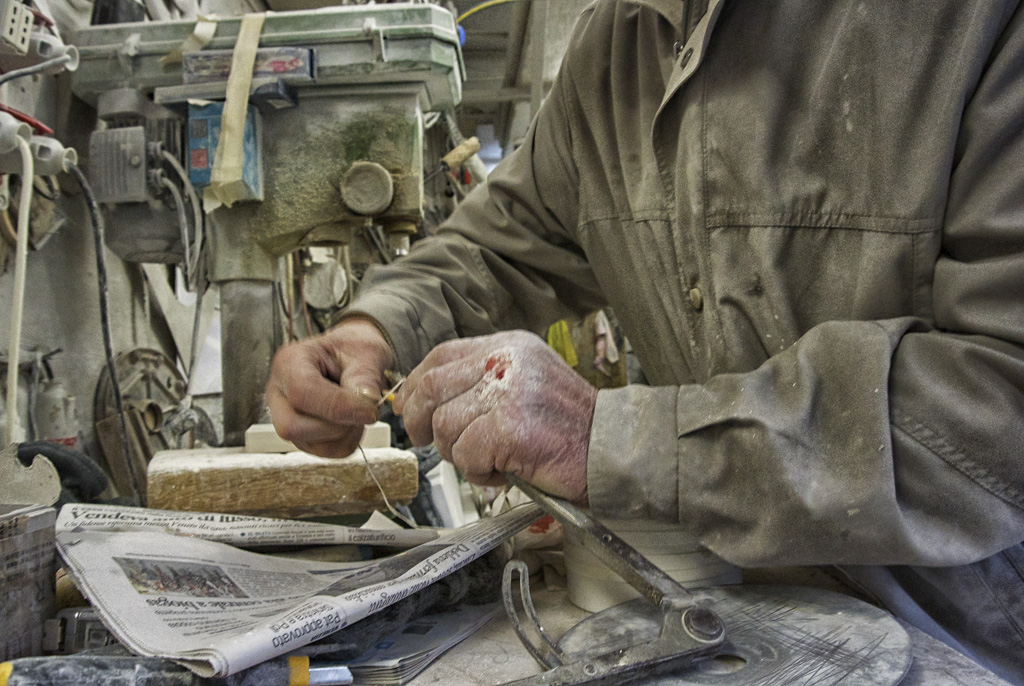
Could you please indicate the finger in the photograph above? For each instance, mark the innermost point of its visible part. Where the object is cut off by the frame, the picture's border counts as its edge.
(443, 354)
(452, 418)
(293, 426)
(441, 385)
(340, 447)
(312, 395)
(481, 451)
(362, 378)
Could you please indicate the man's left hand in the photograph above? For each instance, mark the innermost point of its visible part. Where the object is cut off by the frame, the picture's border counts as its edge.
(504, 403)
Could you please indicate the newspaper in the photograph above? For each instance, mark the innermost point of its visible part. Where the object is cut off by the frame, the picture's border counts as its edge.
(238, 530)
(218, 609)
(398, 658)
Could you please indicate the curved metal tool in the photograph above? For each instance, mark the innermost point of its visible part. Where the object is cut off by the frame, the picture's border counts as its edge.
(689, 629)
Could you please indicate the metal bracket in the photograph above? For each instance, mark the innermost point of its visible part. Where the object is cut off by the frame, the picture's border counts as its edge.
(376, 35)
(689, 629)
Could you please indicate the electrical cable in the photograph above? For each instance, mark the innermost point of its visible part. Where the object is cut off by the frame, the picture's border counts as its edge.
(101, 273)
(194, 352)
(38, 126)
(350, 279)
(18, 302)
(482, 6)
(302, 296)
(179, 205)
(36, 68)
(197, 211)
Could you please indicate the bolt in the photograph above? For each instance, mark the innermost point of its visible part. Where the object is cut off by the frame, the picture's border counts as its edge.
(589, 669)
(135, 160)
(702, 624)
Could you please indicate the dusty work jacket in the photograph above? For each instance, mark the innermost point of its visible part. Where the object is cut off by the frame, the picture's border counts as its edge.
(809, 218)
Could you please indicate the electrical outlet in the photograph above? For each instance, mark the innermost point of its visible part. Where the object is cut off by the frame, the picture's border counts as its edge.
(17, 27)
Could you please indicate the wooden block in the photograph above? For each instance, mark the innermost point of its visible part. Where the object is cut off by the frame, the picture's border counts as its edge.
(290, 485)
(376, 435)
(262, 438)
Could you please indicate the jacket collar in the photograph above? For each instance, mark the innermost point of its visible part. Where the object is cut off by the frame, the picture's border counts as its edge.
(672, 10)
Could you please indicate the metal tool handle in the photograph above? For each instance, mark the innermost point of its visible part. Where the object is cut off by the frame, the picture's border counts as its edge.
(543, 649)
(621, 558)
(689, 630)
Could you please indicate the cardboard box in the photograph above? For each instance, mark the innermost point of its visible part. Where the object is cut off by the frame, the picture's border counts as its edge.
(209, 66)
(203, 135)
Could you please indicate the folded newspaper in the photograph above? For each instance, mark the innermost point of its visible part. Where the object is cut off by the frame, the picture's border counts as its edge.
(170, 584)
(398, 658)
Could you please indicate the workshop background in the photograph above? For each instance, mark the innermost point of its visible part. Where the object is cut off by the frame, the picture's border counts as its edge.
(511, 52)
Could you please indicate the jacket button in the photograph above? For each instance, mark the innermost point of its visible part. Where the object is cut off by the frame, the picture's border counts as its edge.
(696, 299)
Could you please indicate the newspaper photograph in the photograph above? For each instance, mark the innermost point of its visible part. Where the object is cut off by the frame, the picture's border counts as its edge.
(218, 609)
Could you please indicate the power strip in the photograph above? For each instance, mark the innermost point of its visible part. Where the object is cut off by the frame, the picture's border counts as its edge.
(17, 27)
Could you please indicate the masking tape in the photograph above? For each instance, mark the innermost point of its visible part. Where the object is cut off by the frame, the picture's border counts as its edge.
(200, 37)
(226, 177)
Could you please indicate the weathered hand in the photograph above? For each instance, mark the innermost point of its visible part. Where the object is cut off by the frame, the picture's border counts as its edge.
(505, 403)
(324, 389)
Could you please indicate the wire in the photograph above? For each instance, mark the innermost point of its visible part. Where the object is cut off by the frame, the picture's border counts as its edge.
(350, 279)
(391, 508)
(18, 303)
(482, 6)
(39, 126)
(35, 68)
(101, 273)
(179, 205)
(193, 354)
(197, 212)
(302, 295)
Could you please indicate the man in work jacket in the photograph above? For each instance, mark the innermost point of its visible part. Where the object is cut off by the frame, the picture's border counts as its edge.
(809, 219)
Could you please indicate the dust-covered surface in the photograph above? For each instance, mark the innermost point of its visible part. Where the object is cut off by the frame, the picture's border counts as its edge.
(307, 152)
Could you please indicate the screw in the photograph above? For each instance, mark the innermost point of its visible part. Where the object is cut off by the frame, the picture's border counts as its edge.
(589, 669)
(702, 624)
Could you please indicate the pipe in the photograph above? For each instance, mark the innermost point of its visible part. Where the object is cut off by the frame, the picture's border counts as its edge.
(18, 304)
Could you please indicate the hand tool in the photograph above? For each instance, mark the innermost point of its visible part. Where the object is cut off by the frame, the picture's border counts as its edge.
(689, 629)
(674, 637)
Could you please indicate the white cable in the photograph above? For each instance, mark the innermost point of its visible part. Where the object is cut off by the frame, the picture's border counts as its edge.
(157, 10)
(35, 68)
(179, 205)
(197, 211)
(18, 304)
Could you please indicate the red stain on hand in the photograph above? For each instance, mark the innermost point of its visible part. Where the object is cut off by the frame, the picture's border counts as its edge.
(498, 365)
(542, 525)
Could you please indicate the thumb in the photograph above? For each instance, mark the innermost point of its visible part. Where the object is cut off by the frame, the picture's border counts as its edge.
(364, 379)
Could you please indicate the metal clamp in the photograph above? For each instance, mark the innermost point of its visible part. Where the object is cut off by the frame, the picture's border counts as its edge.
(689, 629)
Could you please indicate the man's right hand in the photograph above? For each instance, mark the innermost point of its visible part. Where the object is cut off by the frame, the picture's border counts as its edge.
(323, 390)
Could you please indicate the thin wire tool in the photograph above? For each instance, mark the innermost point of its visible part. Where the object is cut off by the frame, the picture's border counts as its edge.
(389, 396)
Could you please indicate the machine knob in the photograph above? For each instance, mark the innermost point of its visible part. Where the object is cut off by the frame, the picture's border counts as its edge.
(367, 188)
